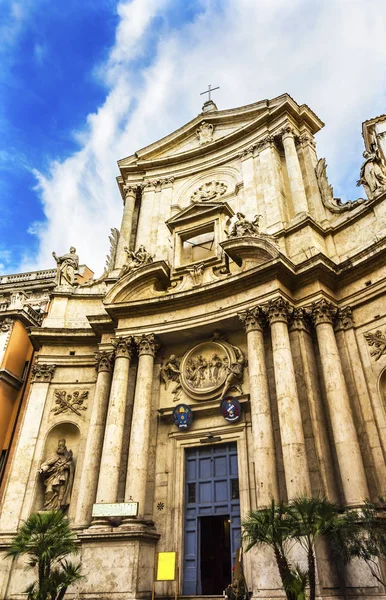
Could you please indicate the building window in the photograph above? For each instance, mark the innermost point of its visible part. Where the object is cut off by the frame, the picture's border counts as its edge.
(235, 492)
(198, 246)
(191, 493)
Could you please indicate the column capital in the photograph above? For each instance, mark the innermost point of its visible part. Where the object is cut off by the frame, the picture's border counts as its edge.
(287, 131)
(123, 347)
(130, 191)
(104, 361)
(299, 320)
(278, 310)
(322, 312)
(344, 319)
(42, 373)
(265, 143)
(146, 343)
(253, 319)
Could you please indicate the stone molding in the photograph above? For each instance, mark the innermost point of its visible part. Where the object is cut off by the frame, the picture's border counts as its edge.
(104, 361)
(278, 310)
(344, 319)
(322, 312)
(253, 319)
(42, 373)
(123, 347)
(146, 344)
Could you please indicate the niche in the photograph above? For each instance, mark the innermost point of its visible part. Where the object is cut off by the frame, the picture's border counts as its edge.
(382, 387)
(71, 434)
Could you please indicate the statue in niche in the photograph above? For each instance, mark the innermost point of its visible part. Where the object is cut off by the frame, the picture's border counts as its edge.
(372, 173)
(58, 470)
(241, 227)
(135, 260)
(67, 265)
(235, 373)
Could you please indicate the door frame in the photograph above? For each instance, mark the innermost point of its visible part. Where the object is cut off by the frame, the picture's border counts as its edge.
(182, 441)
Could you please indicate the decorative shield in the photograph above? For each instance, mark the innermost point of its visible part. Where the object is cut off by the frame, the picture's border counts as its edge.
(182, 416)
(231, 409)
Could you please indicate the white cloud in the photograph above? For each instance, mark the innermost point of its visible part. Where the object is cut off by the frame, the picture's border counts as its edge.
(329, 54)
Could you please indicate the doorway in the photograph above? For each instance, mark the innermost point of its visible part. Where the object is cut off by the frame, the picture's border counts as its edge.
(212, 518)
(215, 554)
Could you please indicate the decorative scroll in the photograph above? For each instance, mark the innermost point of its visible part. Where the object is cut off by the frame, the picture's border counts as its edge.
(69, 402)
(378, 341)
(334, 205)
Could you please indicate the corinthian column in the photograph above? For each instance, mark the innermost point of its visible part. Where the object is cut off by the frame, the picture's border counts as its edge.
(126, 225)
(108, 481)
(291, 428)
(295, 177)
(262, 429)
(147, 346)
(92, 456)
(343, 429)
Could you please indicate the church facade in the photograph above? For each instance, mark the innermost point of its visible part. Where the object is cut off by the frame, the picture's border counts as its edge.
(233, 351)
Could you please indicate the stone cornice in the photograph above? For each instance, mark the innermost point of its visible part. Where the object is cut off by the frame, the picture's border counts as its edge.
(11, 379)
(56, 336)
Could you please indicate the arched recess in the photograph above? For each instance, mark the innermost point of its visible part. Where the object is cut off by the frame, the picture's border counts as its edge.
(382, 387)
(71, 433)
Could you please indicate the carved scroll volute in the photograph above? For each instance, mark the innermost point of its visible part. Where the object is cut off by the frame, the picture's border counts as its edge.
(123, 347)
(147, 344)
(253, 319)
(278, 310)
(42, 373)
(104, 361)
(322, 312)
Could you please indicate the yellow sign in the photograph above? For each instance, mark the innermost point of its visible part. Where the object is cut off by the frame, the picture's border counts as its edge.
(166, 566)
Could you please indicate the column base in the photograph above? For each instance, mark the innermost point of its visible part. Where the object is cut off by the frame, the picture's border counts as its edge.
(101, 524)
(136, 524)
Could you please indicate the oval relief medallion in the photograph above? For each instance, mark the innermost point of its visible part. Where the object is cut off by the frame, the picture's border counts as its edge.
(204, 369)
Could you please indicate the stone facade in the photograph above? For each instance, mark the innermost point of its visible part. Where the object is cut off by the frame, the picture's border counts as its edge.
(236, 275)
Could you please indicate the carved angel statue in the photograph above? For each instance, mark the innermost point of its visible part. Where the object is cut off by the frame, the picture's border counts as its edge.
(58, 470)
(136, 259)
(235, 373)
(240, 226)
(170, 370)
(373, 172)
(67, 265)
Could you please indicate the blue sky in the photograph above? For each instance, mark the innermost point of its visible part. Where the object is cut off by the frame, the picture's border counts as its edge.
(86, 83)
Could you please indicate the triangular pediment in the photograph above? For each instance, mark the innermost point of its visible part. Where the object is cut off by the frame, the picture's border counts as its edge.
(211, 130)
(196, 211)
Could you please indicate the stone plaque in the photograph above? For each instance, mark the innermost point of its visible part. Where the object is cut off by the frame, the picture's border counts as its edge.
(121, 509)
(205, 368)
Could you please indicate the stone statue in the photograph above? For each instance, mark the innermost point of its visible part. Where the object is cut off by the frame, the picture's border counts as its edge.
(58, 470)
(139, 258)
(68, 264)
(235, 373)
(240, 226)
(373, 173)
(170, 370)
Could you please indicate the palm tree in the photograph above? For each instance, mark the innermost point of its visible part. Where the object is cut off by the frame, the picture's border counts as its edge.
(308, 519)
(268, 527)
(46, 538)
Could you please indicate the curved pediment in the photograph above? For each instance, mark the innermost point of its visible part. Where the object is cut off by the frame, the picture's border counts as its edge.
(145, 282)
(249, 252)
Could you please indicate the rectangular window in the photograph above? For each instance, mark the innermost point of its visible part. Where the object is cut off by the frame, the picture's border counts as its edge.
(191, 493)
(199, 245)
(235, 492)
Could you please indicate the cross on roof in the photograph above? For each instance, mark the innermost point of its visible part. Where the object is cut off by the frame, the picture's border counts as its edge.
(209, 90)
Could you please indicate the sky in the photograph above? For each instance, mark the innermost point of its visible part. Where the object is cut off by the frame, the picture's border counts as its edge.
(85, 83)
